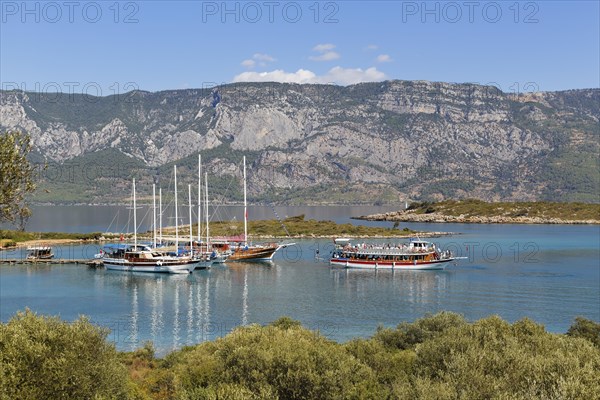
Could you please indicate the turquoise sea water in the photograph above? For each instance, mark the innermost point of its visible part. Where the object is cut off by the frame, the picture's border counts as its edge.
(549, 273)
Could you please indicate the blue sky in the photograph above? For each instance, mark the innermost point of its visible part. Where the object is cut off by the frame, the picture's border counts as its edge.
(107, 47)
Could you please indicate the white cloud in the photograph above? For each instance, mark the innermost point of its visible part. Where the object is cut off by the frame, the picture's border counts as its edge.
(336, 75)
(372, 47)
(278, 75)
(263, 57)
(321, 48)
(349, 76)
(328, 56)
(327, 53)
(260, 59)
(384, 58)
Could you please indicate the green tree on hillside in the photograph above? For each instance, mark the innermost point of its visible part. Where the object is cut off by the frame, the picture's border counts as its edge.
(16, 178)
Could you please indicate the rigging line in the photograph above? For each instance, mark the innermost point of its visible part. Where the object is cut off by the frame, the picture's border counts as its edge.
(278, 218)
(143, 219)
(273, 208)
(111, 222)
(222, 200)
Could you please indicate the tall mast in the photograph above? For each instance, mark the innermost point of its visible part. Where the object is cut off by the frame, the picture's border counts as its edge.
(154, 215)
(206, 194)
(245, 209)
(199, 197)
(190, 210)
(134, 218)
(176, 220)
(160, 213)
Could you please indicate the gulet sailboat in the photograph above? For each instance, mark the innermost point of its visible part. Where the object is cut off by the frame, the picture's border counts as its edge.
(246, 252)
(135, 257)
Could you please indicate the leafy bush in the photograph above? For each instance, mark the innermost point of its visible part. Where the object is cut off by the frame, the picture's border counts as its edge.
(46, 358)
(492, 359)
(439, 356)
(407, 335)
(586, 329)
(282, 360)
(6, 243)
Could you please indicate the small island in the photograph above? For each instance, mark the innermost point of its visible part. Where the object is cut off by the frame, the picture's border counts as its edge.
(296, 227)
(481, 212)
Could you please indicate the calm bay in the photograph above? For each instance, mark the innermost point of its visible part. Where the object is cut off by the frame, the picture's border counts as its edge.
(549, 273)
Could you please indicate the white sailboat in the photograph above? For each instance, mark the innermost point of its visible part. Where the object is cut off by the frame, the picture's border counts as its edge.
(134, 257)
(217, 252)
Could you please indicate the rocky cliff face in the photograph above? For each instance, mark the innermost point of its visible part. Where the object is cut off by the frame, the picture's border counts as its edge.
(366, 142)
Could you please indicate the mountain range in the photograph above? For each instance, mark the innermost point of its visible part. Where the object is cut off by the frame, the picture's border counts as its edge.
(375, 143)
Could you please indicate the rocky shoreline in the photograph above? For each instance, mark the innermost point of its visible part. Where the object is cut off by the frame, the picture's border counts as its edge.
(411, 216)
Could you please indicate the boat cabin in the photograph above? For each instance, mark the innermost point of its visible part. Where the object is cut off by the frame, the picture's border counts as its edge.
(39, 253)
(118, 250)
(419, 246)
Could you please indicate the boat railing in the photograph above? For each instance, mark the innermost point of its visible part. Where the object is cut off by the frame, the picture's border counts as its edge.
(387, 251)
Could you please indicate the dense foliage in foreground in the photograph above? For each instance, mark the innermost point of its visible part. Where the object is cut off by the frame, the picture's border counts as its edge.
(436, 357)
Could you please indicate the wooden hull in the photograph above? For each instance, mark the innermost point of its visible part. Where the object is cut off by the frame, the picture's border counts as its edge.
(405, 265)
(258, 253)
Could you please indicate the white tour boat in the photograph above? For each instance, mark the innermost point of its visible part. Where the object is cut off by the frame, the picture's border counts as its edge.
(416, 255)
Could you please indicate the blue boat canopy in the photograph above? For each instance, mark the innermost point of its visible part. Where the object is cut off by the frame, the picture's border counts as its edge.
(117, 246)
(125, 246)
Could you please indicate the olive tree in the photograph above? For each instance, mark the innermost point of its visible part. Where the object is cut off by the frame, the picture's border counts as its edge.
(16, 178)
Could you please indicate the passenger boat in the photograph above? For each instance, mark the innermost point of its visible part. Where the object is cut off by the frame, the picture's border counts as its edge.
(39, 253)
(416, 255)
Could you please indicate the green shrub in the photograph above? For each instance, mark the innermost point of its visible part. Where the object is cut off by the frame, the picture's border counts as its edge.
(407, 335)
(46, 358)
(392, 367)
(492, 359)
(439, 356)
(282, 361)
(587, 329)
(6, 243)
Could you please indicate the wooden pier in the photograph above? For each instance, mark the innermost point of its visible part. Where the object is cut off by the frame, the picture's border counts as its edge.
(78, 261)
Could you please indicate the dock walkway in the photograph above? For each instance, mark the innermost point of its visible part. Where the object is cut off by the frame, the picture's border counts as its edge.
(79, 261)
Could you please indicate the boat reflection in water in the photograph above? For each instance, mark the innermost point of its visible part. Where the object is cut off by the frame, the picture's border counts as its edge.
(173, 307)
(175, 310)
(411, 287)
